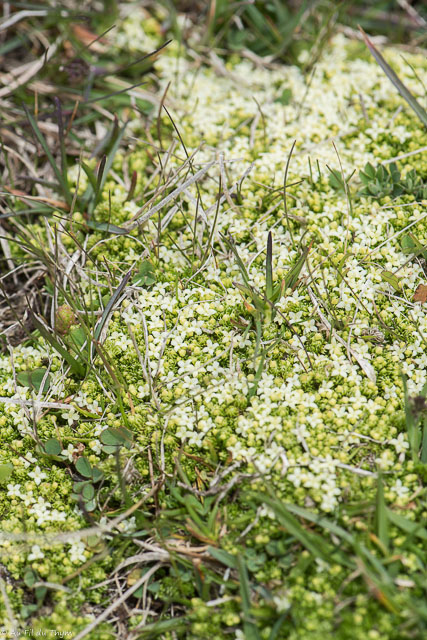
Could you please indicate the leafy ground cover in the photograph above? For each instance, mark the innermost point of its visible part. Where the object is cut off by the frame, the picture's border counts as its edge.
(213, 379)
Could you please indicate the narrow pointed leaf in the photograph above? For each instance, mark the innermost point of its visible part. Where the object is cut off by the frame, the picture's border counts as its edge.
(393, 77)
(75, 366)
(269, 268)
(63, 184)
(292, 276)
(381, 514)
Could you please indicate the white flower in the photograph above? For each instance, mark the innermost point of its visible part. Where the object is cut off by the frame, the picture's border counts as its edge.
(77, 554)
(70, 416)
(29, 458)
(400, 443)
(282, 603)
(68, 452)
(36, 553)
(38, 475)
(14, 490)
(399, 489)
(40, 510)
(128, 525)
(95, 445)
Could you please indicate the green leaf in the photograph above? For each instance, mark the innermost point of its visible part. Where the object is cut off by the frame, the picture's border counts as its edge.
(423, 455)
(415, 529)
(88, 492)
(34, 379)
(40, 593)
(269, 268)
(117, 437)
(6, 471)
(74, 364)
(154, 629)
(28, 609)
(96, 474)
(90, 174)
(409, 244)
(381, 518)
(285, 97)
(223, 556)
(30, 577)
(368, 174)
(112, 301)
(229, 241)
(107, 227)
(78, 337)
(336, 180)
(393, 77)
(78, 486)
(392, 279)
(52, 447)
(145, 276)
(250, 629)
(293, 274)
(58, 173)
(84, 467)
(90, 505)
(277, 626)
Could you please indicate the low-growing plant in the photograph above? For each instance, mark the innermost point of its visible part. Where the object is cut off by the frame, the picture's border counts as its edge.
(381, 181)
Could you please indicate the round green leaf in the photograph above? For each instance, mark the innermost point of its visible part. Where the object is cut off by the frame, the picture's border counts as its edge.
(83, 467)
(52, 447)
(5, 471)
(96, 474)
(34, 379)
(88, 492)
(90, 505)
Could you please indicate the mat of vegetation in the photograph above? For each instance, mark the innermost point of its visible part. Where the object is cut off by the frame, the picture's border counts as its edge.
(213, 414)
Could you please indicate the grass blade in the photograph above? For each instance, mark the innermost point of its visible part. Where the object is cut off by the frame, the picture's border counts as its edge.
(393, 77)
(381, 514)
(112, 301)
(75, 366)
(269, 268)
(62, 183)
(292, 276)
(249, 628)
(61, 137)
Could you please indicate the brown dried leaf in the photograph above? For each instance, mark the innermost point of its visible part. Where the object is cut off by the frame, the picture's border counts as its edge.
(88, 38)
(420, 294)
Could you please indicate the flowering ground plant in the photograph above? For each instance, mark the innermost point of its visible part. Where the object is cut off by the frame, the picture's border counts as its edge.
(213, 413)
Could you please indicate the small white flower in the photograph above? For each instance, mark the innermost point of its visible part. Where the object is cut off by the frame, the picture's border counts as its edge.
(282, 603)
(36, 553)
(29, 458)
(14, 490)
(399, 489)
(38, 475)
(70, 416)
(95, 445)
(400, 443)
(68, 452)
(77, 554)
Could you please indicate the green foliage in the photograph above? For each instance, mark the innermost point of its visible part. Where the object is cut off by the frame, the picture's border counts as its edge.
(392, 76)
(84, 491)
(416, 423)
(266, 28)
(52, 447)
(34, 379)
(145, 276)
(382, 181)
(40, 591)
(6, 471)
(113, 439)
